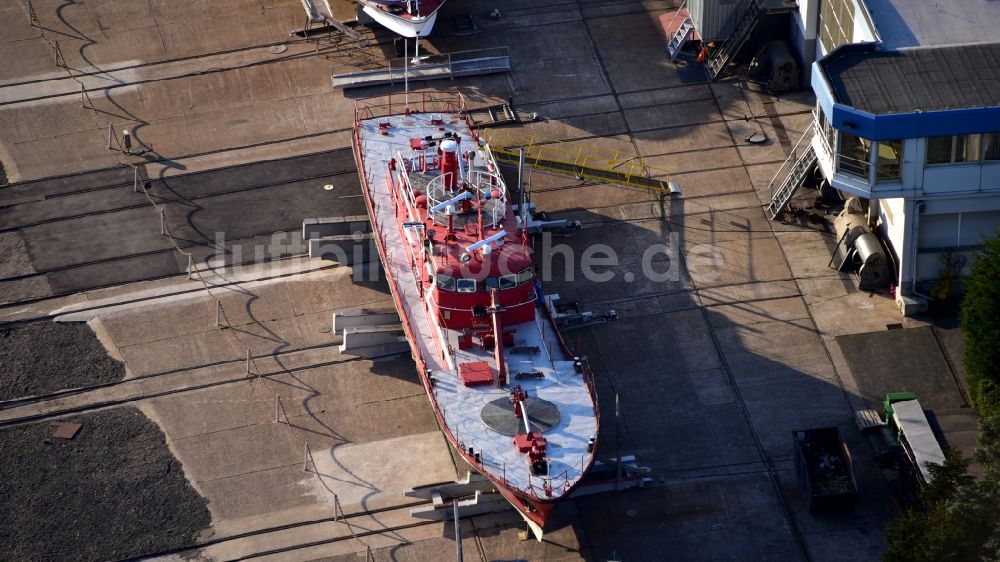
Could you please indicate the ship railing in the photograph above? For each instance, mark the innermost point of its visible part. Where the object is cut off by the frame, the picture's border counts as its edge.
(407, 188)
(402, 104)
(490, 186)
(455, 63)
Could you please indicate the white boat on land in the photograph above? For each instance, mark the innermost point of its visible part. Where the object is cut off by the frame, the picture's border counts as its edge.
(409, 18)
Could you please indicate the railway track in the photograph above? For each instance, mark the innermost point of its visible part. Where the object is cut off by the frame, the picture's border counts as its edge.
(345, 519)
(56, 410)
(26, 186)
(164, 200)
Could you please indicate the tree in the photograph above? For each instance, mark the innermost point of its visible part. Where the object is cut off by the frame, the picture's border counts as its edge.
(960, 521)
(981, 326)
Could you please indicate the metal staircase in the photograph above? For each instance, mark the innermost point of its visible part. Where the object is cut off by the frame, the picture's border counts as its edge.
(746, 23)
(681, 36)
(792, 173)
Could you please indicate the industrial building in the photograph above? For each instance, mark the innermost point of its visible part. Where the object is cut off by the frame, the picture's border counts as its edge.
(907, 119)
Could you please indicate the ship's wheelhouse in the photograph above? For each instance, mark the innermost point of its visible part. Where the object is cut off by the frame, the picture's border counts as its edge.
(463, 235)
(462, 291)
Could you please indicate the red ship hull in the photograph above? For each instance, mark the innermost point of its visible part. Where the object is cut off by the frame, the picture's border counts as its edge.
(533, 509)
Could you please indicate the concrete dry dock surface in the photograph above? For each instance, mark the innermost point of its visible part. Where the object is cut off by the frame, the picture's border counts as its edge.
(742, 336)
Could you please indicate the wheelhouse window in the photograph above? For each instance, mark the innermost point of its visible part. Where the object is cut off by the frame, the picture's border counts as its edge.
(524, 276)
(889, 153)
(954, 149)
(855, 153)
(466, 285)
(446, 283)
(508, 281)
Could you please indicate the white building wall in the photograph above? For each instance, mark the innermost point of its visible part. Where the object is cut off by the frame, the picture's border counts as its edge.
(892, 222)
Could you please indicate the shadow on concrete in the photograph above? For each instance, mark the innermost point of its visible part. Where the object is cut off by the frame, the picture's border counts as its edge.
(709, 397)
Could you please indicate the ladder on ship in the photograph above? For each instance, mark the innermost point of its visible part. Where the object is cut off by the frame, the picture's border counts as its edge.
(583, 162)
(792, 173)
(746, 22)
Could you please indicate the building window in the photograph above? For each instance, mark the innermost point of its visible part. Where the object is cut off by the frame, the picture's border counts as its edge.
(836, 23)
(967, 148)
(952, 149)
(854, 155)
(889, 153)
(827, 132)
(991, 146)
(939, 150)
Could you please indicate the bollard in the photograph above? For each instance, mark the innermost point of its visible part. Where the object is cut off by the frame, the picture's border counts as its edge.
(248, 360)
(111, 133)
(163, 222)
(277, 408)
(218, 313)
(135, 181)
(83, 96)
(190, 266)
(305, 457)
(337, 511)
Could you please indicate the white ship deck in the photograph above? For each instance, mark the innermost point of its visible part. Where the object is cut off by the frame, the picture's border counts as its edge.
(459, 405)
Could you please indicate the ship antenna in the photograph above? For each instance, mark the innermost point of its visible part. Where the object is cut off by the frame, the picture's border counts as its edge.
(479, 209)
(406, 74)
(520, 188)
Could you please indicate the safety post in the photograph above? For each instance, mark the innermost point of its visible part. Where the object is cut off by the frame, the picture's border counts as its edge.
(248, 360)
(277, 408)
(190, 266)
(163, 222)
(218, 313)
(305, 457)
(83, 96)
(111, 133)
(135, 176)
(458, 531)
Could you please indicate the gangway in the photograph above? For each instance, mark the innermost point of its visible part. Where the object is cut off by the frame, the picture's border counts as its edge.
(583, 162)
(431, 67)
(318, 11)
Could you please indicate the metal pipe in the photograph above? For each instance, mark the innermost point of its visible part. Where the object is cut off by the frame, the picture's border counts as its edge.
(476, 245)
(523, 209)
(456, 199)
(618, 447)
(458, 531)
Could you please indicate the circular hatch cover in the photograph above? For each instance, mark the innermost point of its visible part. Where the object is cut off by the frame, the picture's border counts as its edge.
(498, 415)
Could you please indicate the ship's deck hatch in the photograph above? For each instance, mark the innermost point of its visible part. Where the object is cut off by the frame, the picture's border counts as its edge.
(498, 415)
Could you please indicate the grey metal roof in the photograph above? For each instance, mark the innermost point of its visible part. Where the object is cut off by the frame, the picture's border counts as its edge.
(922, 23)
(918, 79)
